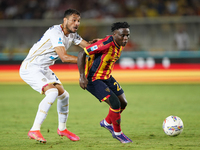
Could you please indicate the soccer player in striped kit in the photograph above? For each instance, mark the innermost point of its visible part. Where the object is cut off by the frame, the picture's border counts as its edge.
(97, 79)
(35, 71)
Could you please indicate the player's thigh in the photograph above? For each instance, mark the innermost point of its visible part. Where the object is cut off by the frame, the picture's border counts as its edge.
(117, 89)
(52, 81)
(51, 76)
(114, 86)
(99, 89)
(38, 78)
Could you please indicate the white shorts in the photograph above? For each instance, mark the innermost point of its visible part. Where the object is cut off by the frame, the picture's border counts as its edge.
(38, 77)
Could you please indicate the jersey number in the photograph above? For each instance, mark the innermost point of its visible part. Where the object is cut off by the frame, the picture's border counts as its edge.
(118, 87)
(54, 76)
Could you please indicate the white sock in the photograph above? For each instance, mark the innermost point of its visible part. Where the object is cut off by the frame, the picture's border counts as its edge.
(117, 133)
(63, 110)
(62, 126)
(107, 124)
(44, 107)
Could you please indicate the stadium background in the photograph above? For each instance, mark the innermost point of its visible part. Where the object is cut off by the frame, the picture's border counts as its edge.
(150, 56)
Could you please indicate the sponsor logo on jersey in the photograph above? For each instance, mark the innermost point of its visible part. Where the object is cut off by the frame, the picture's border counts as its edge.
(53, 57)
(100, 45)
(94, 48)
(59, 41)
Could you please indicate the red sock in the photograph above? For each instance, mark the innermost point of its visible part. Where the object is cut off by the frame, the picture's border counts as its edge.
(115, 118)
(108, 118)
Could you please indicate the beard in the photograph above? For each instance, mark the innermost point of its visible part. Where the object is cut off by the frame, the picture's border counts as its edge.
(68, 30)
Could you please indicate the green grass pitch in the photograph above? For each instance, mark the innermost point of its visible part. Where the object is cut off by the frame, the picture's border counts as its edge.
(148, 106)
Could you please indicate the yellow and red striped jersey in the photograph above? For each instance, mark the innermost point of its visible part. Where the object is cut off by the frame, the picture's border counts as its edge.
(102, 56)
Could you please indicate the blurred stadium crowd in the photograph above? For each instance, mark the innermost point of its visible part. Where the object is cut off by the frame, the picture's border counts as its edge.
(99, 9)
(150, 36)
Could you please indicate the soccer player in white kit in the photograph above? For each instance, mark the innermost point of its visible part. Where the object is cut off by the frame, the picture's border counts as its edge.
(35, 72)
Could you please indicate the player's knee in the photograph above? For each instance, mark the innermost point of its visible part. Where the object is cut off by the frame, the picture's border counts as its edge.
(123, 104)
(53, 92)
(64, 95)
(123, 101)
(51, 95)
(114, 101)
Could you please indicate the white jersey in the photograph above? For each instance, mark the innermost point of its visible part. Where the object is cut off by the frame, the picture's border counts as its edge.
(43, 53)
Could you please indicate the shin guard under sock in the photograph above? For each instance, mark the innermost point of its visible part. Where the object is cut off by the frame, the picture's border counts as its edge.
(63, 110)
(115, 118)
(44, 107)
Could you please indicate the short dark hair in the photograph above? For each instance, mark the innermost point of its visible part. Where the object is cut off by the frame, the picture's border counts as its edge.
(69, 12)
(118, 25)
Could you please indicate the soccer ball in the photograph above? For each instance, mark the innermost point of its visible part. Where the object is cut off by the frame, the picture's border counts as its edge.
(173, 125)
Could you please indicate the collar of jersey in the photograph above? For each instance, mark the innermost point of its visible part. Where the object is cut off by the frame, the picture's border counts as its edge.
(115, 43)
(63, 30)
(62, 27)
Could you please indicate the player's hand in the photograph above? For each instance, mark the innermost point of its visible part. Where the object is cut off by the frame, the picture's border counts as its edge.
(93, 41)
(83, 82)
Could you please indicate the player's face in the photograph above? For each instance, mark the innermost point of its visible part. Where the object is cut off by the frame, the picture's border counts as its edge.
(72, 23)
(121, 36)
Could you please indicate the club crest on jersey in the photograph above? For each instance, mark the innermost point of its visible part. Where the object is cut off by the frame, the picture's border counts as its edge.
(94, 48)
(44, 79)
(59, 41)
(107, 89)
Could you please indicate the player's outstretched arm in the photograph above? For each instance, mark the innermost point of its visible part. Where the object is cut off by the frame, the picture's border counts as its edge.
(81, 67)
(60, 50)
(94, 40)
(84, 44)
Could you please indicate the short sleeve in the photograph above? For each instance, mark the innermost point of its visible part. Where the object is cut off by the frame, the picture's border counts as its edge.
(56, 38)
(77, 40)
(100, 46)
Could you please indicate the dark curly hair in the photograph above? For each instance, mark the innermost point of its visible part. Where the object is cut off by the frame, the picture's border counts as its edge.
(118, 25)
(69, 12)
